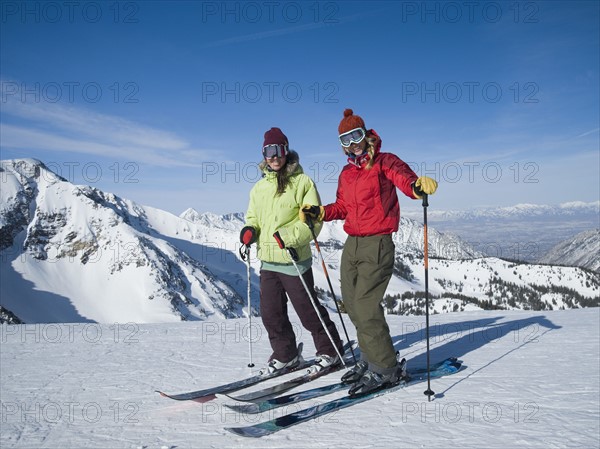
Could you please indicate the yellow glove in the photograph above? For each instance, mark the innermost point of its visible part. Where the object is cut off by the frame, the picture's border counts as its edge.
(315, 212)
(424, 184)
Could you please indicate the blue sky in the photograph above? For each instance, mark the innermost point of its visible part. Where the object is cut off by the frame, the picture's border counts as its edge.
(166, 103)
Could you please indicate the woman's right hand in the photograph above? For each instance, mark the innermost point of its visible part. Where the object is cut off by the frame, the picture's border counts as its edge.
(315, 212)
(248, 235)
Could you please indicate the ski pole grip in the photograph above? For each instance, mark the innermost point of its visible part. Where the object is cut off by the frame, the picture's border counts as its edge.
(309, 222)
(293, 254)
(425, 200)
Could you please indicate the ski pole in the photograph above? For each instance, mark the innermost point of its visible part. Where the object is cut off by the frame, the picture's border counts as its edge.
(246, 257)
(311, 226)
(429, 392)
(294, 257)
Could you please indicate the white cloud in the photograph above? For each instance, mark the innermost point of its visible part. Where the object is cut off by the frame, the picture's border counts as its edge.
(587, 133)
(57, 127)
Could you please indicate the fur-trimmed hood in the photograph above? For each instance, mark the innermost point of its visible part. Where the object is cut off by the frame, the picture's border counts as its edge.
(270, 212)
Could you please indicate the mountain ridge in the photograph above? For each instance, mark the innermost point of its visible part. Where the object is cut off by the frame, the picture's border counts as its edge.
(75, 253)
(521, 210)
(581, 250)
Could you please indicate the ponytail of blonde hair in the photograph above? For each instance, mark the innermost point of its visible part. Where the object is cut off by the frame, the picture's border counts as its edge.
(371, 150)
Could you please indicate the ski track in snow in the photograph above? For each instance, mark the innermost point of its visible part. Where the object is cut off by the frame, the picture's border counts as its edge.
(532, 379)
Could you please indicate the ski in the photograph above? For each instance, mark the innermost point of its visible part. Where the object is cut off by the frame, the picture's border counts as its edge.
(270, 404)
(293, 383)
(209, 394)
(283, 422)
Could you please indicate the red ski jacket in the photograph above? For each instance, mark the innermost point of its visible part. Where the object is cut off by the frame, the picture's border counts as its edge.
(366, 198)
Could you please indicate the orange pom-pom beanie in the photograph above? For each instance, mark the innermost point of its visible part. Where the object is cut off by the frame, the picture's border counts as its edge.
(350, 121)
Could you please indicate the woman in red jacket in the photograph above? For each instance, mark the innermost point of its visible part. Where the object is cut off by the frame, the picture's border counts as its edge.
(366, 200)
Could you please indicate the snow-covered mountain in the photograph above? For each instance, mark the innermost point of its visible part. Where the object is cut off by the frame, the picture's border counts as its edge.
(460, 278)
(522, 232)
(523, 210)
(75, 254)
(582, 250)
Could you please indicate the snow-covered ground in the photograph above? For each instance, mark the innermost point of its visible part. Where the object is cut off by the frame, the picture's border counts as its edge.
(532, 379)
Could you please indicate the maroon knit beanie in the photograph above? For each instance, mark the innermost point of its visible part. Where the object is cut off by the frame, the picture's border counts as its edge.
(275, 136)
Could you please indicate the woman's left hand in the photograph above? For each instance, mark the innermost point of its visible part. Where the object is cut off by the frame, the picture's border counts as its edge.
(425, 184)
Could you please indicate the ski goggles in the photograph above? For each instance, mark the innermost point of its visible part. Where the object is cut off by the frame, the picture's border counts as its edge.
(355, 135)
(270, 151)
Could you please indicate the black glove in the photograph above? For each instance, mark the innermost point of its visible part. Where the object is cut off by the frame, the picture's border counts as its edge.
(248, 235)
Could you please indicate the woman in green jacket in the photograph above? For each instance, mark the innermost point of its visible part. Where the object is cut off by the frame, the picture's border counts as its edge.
(273, 222)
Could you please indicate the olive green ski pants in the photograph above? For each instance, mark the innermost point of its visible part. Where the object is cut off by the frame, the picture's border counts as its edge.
(366, 268)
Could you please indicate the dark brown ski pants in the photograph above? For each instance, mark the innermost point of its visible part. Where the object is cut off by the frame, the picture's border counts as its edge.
(273, 308)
